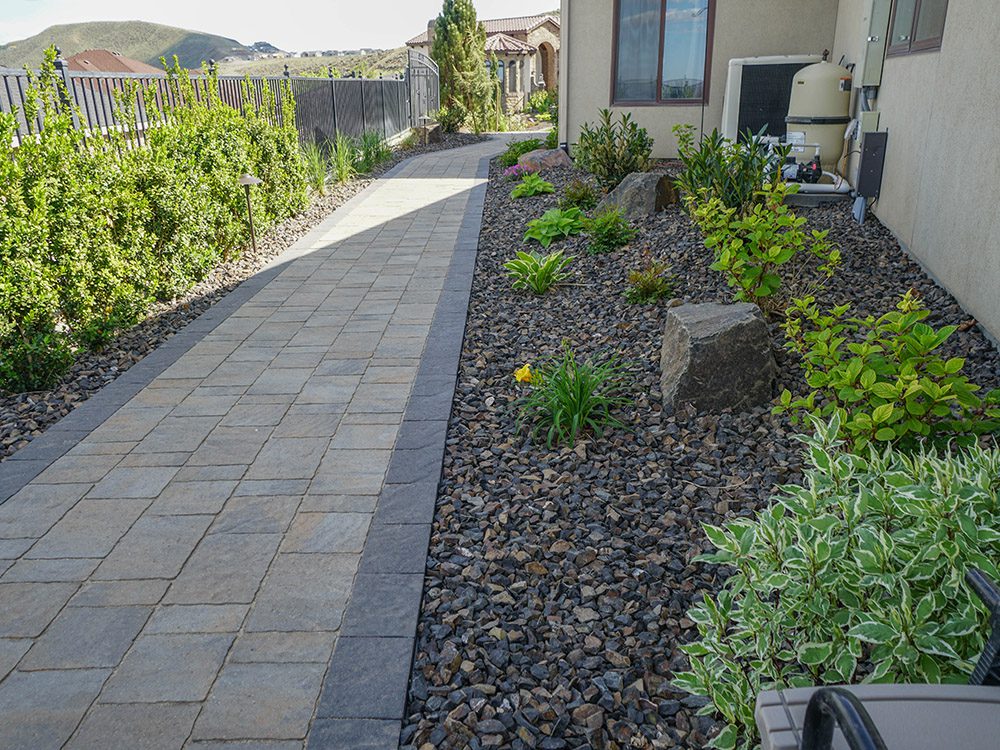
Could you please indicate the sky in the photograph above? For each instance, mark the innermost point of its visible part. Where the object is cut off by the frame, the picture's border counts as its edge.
(291, 25)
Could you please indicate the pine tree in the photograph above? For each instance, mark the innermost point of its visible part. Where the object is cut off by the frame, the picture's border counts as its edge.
(459, 49)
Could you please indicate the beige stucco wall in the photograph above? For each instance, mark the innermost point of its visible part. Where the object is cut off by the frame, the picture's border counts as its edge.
(942, 170)
(742, 29)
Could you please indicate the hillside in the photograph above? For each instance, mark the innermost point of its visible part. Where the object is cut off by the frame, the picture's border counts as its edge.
(388, 62)
(136, 39)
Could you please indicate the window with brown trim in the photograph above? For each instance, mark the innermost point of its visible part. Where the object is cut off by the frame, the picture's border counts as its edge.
(916, 25)
(662, 51)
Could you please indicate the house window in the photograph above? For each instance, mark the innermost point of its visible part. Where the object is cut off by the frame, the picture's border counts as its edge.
(662, 51)
(917, 25)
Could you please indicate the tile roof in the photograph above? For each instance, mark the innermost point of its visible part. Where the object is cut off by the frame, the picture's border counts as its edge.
(508, 45)
(106, 61)
(516, 25)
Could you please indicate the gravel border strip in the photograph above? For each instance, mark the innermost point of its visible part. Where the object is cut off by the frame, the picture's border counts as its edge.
(365, 690)
(19, 469)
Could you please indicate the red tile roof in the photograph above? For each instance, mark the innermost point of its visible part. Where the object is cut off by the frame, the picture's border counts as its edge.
(508, 45)
(516, 25)
(106, 61)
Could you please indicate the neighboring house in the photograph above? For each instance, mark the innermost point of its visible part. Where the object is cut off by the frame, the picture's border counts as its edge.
(526, 48)
(106, 61)
(933, 87)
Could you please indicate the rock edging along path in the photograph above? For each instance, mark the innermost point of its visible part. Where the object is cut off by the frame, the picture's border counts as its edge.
(227, 544)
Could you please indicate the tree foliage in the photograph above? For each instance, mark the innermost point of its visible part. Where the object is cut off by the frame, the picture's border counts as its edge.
(459, 49)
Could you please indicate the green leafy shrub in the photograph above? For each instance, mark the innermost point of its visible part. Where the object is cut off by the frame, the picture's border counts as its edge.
(649, 283)
(555, 224)
(854, 576)
(372, 150)
(538, 273)
(883, 378)
(720, 168)
(542, 101)
(613, 150)
(316, 167)
(552, 139)
(752, 250)
(530, 185)
(579, 194)
(451, 118)
(568, 397)
(93, 227)
(608, 231)
(517, 149)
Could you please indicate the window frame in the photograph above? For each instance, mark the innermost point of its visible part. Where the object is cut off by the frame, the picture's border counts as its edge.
(659, 102)
(911, 47)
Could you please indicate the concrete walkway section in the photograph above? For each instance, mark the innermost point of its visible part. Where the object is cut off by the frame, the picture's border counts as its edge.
(177, 572)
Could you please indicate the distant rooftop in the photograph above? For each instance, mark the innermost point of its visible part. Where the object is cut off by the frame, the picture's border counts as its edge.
(508, 45)
(515, 25)
(106, 61)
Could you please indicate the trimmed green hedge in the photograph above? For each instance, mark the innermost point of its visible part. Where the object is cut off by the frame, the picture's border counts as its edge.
(93, 229)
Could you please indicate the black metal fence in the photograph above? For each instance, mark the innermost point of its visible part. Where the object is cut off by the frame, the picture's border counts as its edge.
(324, 106)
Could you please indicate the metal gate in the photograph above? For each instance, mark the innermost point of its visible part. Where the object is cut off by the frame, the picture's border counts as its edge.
(424, 85)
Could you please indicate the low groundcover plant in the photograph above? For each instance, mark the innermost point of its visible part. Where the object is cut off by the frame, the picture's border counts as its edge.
(555, 224)
(530, 185)
(856, 575)
(568, 397)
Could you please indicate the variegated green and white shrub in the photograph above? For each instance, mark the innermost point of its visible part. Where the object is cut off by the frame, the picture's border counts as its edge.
(855, 576)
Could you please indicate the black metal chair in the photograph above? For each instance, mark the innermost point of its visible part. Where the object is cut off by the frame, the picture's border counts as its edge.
(900, 717)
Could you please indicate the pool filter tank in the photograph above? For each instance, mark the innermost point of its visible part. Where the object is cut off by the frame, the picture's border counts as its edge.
(818, 114)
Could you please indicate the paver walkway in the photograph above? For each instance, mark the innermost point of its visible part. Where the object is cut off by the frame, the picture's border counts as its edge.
(179, 577)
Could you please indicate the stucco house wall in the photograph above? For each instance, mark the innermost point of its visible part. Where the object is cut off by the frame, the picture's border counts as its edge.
(942, 168)
(742, 29)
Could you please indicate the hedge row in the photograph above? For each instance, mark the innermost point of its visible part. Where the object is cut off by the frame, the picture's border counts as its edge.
(94, 229)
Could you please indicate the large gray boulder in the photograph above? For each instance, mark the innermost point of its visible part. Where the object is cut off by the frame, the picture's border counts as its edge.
(544, 158)
(641, 194)
(717, 357)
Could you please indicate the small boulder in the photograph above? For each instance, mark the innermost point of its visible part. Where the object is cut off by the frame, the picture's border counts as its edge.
(641, 194)
(717, 357)
(544, 158)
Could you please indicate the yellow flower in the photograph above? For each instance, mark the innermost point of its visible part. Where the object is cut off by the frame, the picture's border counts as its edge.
(523, 374)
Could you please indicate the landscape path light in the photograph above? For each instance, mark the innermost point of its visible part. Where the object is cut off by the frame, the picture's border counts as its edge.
(246, 181)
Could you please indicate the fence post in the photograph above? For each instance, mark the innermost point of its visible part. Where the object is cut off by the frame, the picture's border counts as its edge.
(333, 98)
(364, 115)
(67, 95)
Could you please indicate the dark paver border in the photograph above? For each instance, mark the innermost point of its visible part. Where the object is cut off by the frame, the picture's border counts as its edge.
(22, 467)
(366, 686)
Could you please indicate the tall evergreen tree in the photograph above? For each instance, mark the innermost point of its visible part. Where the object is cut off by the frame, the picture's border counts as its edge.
(459, 49)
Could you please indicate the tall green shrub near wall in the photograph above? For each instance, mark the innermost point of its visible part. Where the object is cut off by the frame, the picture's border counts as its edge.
(94, 228)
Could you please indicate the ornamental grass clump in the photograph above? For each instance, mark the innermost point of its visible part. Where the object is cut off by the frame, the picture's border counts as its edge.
(555, 224)
(372, 150)
(608, 231)
(344, 157)
(531, 185)
(855, 575)
(883, 377)
(568, 398)
(316, 167)
(538, 273)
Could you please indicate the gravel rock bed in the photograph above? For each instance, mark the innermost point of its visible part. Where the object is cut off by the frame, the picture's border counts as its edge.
(24, 416)
(558, 581)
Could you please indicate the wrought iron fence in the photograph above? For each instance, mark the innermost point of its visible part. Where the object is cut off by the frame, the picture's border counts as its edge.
(324, 106)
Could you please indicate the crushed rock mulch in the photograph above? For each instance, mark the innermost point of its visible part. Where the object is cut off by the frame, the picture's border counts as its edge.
(558, 580)
(25, 416)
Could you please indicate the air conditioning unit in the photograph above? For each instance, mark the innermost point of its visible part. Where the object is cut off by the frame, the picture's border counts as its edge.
(757, 93)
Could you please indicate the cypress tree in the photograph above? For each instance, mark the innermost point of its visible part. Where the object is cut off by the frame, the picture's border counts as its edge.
(459, 49)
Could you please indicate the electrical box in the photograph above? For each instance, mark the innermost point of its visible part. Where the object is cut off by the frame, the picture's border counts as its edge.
(869, 122)
(871, 165)
(875, 44)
